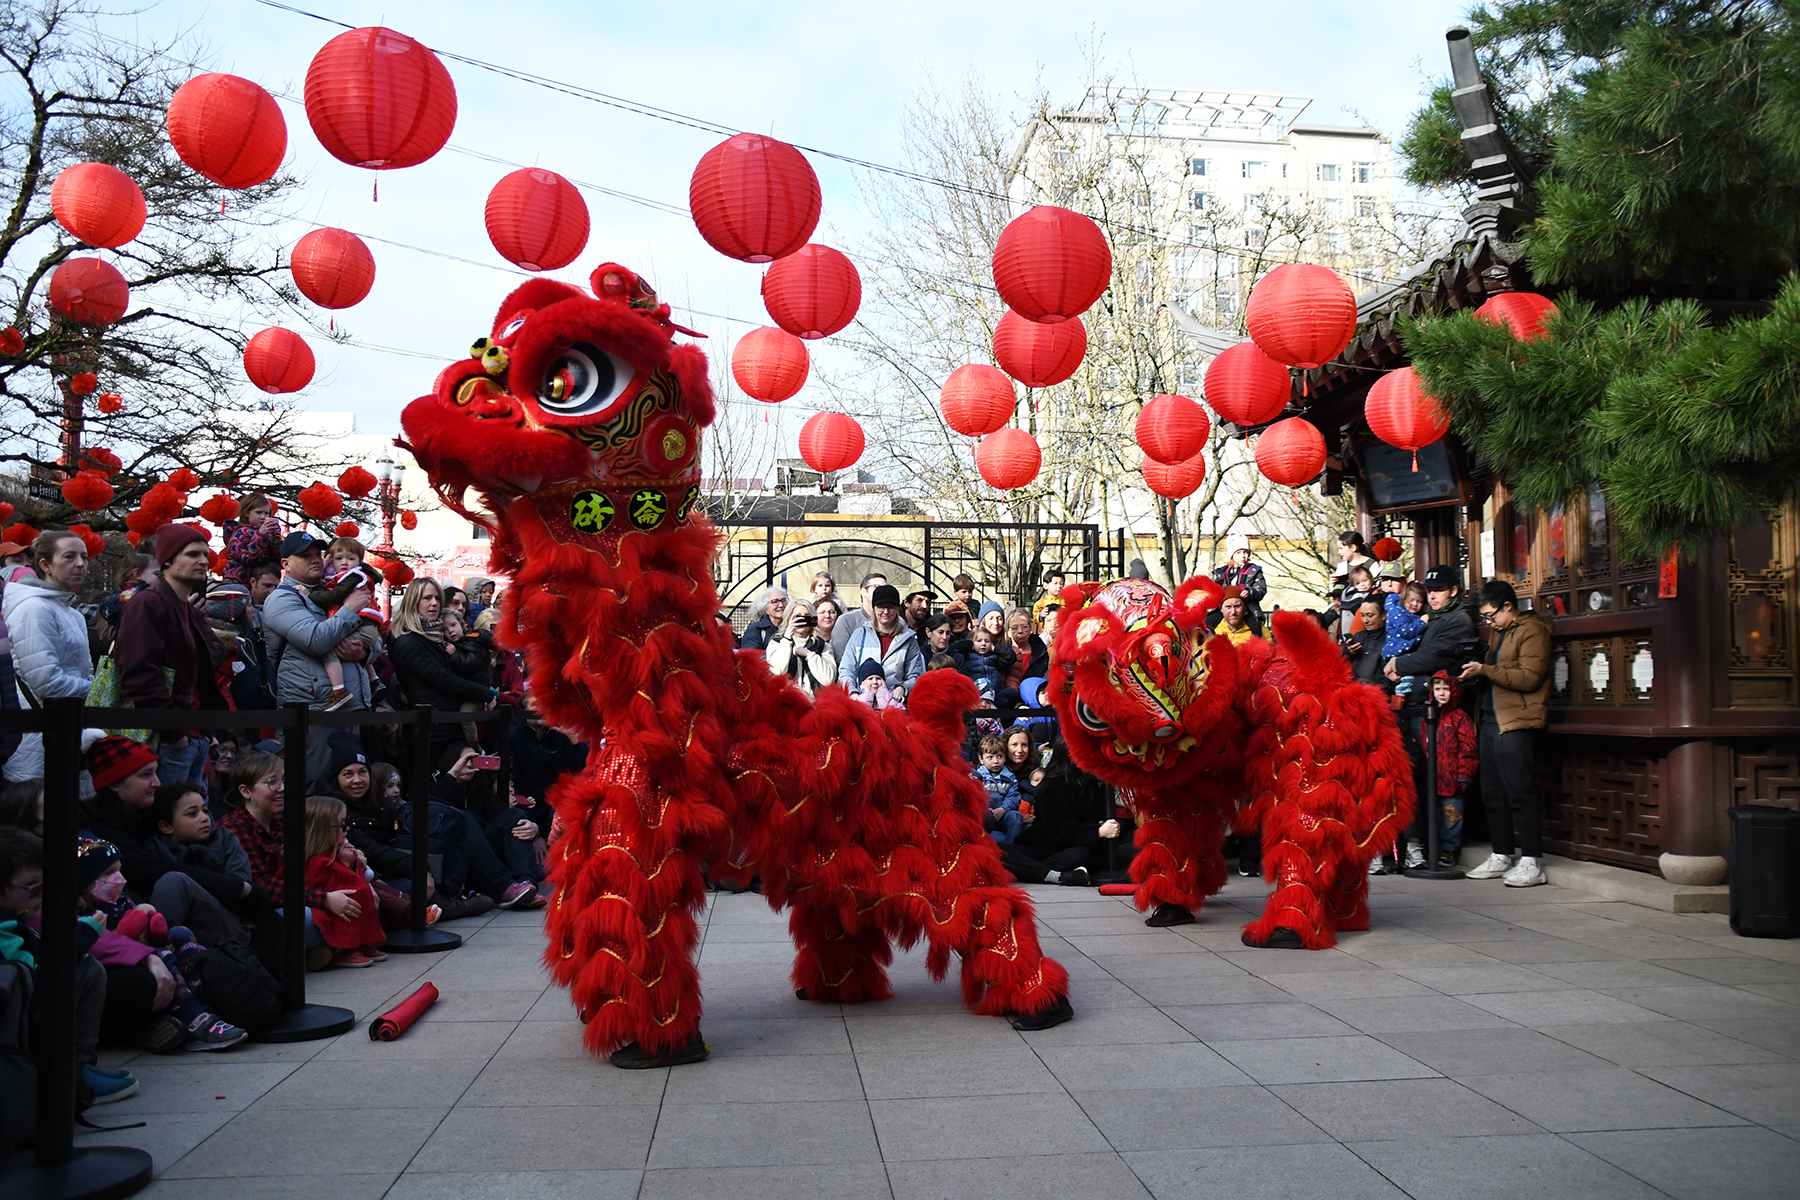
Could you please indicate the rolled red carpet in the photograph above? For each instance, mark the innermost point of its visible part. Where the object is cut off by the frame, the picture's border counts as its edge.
(392, 1024)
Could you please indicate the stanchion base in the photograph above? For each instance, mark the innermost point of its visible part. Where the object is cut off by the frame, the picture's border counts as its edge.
(92, 1173)
(405, 941)
(309, 1024)
(1435, 873)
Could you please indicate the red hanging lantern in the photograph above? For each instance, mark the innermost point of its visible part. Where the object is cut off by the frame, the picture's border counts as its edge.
(1522, 312)
(6, 511)
(754, 199)
(98, 204)
(132, 538)
(1401, 414)
(20, 534)
(89, 292)
(1301, 314)
(216, 561)
(184, 479)
(378, 99)
(88, 491)
(770, 364)
(1039, 355)
(220, 509)
(1291, 452)
(813, 292)
(1386, 549)
(1008, 458)
(357, 482)
(110, 403)
(348, 529)
(278, 360)
(1051, 264)
(977, 399)
(1172, 429)
(409, 519)
(320, 503)
(97, 458)
(228, 129)
(537, 219)
(400, 576)
(163, 503)
(830, 442)
(84, 383)
(1246, 386)
(333, 268)
(1176, 481)
(96, 545)
(12, 342)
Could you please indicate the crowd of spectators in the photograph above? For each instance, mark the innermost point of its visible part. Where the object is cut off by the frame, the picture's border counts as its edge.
(181, 855)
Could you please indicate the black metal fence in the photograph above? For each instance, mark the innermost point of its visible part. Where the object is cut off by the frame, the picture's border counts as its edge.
(54, 1167)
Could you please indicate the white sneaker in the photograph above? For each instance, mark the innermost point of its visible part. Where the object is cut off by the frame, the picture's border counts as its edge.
(1495, 866)
(1526, 874)
(1377, 866)
(1415, 856)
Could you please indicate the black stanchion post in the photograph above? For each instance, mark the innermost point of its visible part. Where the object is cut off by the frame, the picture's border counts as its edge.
(419, 939)
(503, 748)
(1434, 811)
(55, 1170)
(302, 1022)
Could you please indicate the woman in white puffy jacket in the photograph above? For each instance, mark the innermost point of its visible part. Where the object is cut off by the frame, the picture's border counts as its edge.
(799, 652)
(49, 638)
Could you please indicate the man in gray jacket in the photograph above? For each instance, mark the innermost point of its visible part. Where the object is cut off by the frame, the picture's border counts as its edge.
(299, 636)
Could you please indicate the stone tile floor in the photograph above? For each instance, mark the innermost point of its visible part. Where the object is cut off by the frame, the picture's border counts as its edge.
(1477, 1042)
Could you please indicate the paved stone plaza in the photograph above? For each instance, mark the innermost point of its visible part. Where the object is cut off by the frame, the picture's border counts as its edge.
(1478, 1042)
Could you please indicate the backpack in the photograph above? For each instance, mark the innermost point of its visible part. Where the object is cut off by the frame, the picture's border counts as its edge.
(239, 988)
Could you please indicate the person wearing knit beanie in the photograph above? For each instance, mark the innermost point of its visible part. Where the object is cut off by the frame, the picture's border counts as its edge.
(114, 759)
(172, 538)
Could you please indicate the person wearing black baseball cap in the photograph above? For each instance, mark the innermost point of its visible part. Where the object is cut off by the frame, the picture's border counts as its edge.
(886, 641)
(299, 636)
(1449, 634)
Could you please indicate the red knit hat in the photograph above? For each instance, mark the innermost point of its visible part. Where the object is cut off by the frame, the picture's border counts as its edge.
(112, 759)
(172, 538)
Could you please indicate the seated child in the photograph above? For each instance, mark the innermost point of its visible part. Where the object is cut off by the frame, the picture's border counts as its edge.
(982, 664)
(871, 686)
(350, 921)
(103, 904)
(1405, 625)
(1004, 820)
(213, 856)
(346, 573)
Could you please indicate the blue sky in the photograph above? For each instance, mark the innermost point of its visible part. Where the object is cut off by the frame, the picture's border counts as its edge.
(834, 76)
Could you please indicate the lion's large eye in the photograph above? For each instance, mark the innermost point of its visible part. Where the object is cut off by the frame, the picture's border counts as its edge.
(584, 380)
(1089, 718)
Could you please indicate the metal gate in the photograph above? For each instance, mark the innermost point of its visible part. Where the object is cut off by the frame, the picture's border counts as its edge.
(1007, 561)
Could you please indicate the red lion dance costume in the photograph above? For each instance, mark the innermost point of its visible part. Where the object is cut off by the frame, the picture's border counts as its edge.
(578, 422)
(1189, 728)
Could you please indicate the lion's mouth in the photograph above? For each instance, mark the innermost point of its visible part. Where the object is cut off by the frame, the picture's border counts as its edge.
(1151, 756)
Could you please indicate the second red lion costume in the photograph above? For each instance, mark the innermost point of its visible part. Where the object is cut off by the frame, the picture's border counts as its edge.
(578, 422)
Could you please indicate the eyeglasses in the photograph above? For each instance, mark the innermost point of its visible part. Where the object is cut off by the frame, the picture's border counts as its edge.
(30, 890)
(1488, 615)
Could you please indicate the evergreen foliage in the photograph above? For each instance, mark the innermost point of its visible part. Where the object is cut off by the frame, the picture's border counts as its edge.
(1665, 141)
(1689, 426)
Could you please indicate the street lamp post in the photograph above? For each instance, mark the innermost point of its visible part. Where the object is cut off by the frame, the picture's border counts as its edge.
(389, 475)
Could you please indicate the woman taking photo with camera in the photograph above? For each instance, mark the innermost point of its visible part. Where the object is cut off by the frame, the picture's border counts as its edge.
(799, 651)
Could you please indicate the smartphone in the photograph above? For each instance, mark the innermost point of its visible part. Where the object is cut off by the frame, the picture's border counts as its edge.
(485, 762)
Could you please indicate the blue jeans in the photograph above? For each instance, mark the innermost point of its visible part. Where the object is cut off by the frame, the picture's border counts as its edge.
(186, 764)
(1006, 827)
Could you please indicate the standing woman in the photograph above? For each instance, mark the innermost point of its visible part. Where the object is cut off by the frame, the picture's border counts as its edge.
(766, 618)
(422, 658)
(800, 653)
(827, 611)
(1022, 656)
(1355, 551)
(49, 638)
(251, 540)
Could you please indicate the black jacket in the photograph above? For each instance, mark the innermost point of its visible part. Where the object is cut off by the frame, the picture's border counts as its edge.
(429, 677)
(1363, 649)
(757, 634)
(373, 833)
(1037, 665)
(144, 859)
(1068, 806)
(1443, 648)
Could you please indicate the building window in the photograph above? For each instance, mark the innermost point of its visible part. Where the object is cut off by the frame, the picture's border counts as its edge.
(1256, 170)
(1255, 239)
(1362, 172)
(1365, 207)
(1333, 208)
(480, 533)
(1197, 166)
(1197, 201)
(1328, 172)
